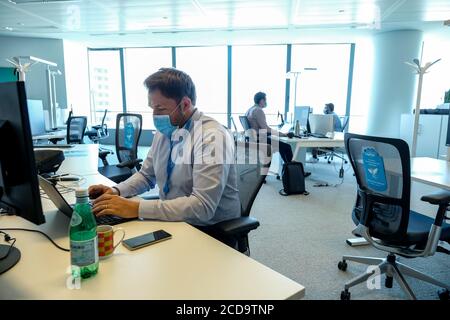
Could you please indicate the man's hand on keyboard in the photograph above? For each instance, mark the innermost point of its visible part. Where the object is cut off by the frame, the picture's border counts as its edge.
(97, 190)
(116, 205)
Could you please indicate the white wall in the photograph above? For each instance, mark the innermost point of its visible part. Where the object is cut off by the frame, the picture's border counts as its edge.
(77, 78)
(36, 78)
(394, 83)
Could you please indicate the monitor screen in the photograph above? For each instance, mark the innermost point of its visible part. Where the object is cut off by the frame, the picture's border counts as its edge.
(447, 142)
(19, 188)
(36, 115)
(301, 114)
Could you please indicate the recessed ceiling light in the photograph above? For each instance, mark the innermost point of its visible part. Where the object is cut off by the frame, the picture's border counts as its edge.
(164, 18)
(341, 11)
(8, 28)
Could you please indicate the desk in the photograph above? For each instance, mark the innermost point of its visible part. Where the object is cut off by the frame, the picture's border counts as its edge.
(60, 134)
(191, 265)
(299, 145)
(431, 171)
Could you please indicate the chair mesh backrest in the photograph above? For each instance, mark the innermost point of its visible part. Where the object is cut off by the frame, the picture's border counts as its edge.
(76, 126)
(382, 169)
(244, 122)
(128, 132)
(344, 122)
(252, 162)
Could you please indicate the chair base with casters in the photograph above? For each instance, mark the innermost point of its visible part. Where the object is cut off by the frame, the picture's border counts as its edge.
(393, 270)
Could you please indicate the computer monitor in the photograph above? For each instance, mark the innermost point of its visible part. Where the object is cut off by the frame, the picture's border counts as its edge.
(19, 187)
(36, 115)
(301, 113)
(447, 142)
(321, 123)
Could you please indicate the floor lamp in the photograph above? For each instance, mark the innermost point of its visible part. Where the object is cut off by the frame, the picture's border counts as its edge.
(294, 75)
(420, 70)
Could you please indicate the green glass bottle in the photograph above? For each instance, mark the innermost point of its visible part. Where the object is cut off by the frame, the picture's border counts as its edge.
(83, 238)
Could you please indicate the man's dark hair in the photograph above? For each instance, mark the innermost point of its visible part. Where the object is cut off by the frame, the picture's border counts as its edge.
(259, 96)
(330, 106)
(173, 84)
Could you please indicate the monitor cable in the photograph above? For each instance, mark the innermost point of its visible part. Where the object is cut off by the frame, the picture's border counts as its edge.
(2, 230)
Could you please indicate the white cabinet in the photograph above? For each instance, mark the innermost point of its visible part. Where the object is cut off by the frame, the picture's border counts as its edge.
(431, 135)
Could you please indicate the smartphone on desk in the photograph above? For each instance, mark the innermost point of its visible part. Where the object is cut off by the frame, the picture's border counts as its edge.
(146, 239)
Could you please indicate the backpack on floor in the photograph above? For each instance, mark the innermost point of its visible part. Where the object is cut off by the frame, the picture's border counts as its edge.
(293, 178)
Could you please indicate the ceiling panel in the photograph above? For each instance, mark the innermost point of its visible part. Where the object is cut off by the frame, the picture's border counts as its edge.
(63, 18)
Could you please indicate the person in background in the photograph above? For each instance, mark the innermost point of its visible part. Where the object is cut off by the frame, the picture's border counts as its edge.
(329, 109)
(257, 120)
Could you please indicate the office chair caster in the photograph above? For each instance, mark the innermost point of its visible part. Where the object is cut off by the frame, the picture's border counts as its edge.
(278, 177)
(342, 265)
(345, 295)
(444, 295)
(388, 282)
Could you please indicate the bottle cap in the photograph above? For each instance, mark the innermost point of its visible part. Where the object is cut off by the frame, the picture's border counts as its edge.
(81, 193)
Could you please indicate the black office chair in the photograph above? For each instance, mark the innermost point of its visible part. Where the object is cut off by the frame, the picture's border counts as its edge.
(98, 132)
(128, 133)
(76, 126)
(383, 216)
(253, 161)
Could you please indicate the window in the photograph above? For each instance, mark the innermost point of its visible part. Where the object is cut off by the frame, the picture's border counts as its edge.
(139, 63)
(328, 83)
(207, 66)
(437, 80)
(258, 68)
(106, 91)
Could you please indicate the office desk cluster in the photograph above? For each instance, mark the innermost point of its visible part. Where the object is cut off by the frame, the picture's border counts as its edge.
(191, 265)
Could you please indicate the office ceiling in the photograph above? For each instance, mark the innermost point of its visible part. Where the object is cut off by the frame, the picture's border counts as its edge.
(90, 19)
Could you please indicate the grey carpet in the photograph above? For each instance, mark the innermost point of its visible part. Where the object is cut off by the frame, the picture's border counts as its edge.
(303, 238)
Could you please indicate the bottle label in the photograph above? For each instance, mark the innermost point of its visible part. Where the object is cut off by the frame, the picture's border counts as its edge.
(76, 219)
(84, 253)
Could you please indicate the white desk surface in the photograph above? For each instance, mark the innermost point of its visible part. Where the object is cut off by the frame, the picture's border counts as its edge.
(191, 265)
(431, 171)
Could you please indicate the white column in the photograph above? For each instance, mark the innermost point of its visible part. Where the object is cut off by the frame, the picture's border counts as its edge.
(394, 83)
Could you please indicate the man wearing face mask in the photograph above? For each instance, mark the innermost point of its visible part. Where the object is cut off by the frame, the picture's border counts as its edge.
(257, 120)
(329, 109)
(191, 188)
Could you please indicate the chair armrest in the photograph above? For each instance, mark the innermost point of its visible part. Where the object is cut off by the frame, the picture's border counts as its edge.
(103, 154)
(441, 197)
(130, 163)
(237, 226)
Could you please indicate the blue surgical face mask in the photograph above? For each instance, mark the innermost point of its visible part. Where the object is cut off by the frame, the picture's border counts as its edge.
(163, 124)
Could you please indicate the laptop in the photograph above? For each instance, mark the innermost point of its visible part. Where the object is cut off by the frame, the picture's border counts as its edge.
(67, 209)
(321, 125)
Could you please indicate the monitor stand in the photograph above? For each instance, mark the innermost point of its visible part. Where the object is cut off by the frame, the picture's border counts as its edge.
(11, 260)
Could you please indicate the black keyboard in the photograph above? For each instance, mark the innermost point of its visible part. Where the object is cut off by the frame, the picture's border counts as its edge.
(318, 135)
(110, 219)
(57, 146)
